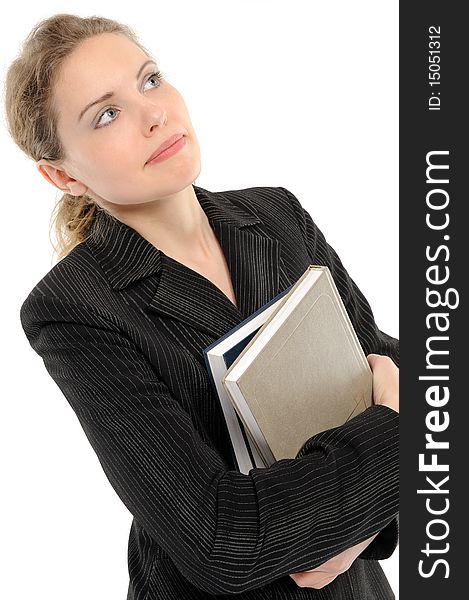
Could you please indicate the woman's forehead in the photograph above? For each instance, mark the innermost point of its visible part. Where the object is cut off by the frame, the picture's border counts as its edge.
(106, 50)
(95, 67)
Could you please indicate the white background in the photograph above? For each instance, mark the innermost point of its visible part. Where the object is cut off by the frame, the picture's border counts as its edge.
(302, 95)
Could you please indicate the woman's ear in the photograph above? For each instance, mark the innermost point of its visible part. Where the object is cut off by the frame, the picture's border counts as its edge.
(60, 179)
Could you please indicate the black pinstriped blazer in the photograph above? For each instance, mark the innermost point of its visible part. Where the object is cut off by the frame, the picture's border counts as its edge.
(121, 328)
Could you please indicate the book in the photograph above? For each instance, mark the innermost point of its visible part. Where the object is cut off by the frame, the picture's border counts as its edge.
(219, 356)
(302, 372)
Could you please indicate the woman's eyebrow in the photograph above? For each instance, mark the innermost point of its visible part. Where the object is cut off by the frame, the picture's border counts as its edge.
(108, 95)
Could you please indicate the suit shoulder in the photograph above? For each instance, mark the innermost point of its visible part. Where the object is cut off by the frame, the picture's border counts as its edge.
(269, 203)
(63, 284)
(68, 274)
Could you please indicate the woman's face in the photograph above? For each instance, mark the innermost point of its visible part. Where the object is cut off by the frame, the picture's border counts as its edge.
(107, 148)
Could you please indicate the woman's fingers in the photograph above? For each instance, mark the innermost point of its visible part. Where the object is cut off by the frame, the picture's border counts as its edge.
(385, 380)
(328, 571)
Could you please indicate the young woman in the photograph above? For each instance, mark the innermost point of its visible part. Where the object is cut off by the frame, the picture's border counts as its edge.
(152, 270)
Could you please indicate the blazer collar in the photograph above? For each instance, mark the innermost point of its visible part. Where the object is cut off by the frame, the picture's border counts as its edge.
(182, 293)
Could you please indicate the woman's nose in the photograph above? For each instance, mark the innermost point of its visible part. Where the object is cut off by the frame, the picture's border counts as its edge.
(154, 116)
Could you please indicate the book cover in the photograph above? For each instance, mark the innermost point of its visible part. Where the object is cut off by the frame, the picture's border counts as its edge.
(304, 371)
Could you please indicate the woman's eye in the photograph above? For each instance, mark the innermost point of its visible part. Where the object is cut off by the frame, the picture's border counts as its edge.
(155, 76)
(100, 120)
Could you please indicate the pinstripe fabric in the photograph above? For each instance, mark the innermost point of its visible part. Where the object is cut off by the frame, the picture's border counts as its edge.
(121, 327)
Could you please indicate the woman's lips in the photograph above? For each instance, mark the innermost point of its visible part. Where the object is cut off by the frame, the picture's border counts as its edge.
(175, 147)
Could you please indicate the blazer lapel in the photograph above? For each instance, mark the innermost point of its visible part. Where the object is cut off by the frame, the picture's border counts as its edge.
(182, 293)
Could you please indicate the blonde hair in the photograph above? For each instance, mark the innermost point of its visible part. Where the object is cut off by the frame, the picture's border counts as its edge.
(31, 115)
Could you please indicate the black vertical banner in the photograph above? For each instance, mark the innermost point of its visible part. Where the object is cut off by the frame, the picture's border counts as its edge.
(434, 268)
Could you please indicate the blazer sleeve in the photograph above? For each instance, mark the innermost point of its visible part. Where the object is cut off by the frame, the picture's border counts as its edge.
(372, 339)
(225, 531)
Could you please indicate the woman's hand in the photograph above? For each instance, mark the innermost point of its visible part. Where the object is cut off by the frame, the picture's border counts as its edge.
(385, 380)
(323, 575)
